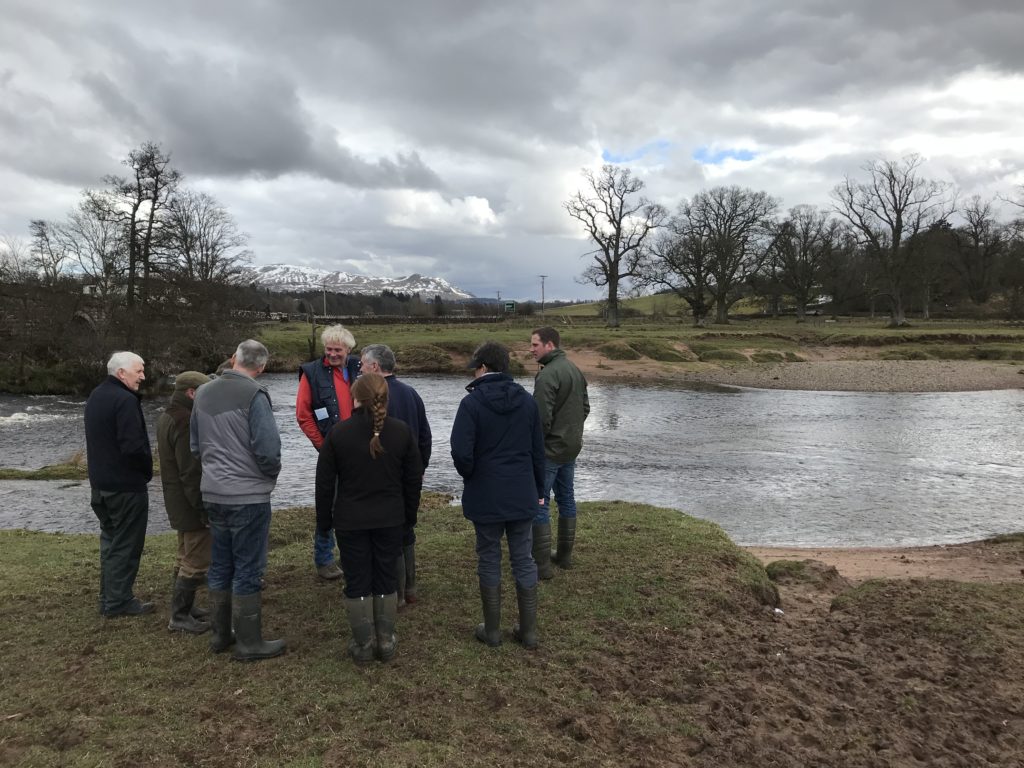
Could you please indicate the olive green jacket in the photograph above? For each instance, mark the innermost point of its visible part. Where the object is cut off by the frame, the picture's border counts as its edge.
(561, 394)
(180, 471)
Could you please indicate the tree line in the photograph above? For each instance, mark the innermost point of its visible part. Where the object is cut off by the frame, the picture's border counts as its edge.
(141, 236)
(142, 262)
(891, 236)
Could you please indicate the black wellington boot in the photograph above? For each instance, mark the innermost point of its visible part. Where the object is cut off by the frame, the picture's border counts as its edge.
(220, 621)
(182, 600)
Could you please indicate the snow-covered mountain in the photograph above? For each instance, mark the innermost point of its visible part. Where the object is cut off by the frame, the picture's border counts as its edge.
(282, 278)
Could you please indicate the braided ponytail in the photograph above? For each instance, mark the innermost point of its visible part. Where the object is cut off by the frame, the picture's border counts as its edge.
(371, 389)
(379, 409)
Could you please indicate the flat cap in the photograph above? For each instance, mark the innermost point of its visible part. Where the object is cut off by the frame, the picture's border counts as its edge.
(190, 380)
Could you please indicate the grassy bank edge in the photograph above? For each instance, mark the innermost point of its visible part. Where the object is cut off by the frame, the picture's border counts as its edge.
(77, 687)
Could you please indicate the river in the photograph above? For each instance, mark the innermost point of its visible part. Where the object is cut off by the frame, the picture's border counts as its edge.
(788, 468)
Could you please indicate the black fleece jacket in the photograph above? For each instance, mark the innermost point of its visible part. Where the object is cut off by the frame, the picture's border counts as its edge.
(355, 491)
(116, 440)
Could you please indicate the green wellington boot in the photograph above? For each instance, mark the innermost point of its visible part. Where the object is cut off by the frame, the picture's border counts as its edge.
(526, 630)
(490, 631)
(247, 614)
(360, 619)
(562, 557)
(400, 575)
(542, 550)
(385, 614)
(409, 555)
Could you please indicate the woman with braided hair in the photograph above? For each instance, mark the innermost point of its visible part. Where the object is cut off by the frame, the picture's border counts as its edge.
(368, 481)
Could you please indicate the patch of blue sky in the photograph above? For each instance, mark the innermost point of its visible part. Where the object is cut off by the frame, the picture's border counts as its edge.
(660, 146)
(709, 156)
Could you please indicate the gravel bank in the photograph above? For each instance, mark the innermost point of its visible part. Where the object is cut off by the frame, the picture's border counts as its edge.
(873, 376)
(821, 375)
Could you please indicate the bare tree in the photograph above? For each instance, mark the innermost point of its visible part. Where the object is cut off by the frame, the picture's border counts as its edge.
(619, 224)
(844, 274)
(1011, 277)
(803, 242)
(886, 212)
(137, 201)
(679, 259)
(735, 225)
(98, 243)
(931, 269)
(978, 245)
(48, 252)
(201, 243)
(14, 260)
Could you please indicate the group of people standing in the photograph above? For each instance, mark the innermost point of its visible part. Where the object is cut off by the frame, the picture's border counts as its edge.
(220, 455)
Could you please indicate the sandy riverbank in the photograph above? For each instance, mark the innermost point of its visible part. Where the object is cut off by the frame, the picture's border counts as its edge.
(987, 562)
(820, 373)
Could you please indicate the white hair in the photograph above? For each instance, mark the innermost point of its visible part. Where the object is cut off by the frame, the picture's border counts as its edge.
(122, 361)
(338, 334)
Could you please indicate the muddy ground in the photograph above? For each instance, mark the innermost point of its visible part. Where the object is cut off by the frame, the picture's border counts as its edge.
(917, 669)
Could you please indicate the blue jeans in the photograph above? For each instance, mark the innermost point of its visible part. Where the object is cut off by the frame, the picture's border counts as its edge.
(560, 478)
(323, 547)
(239, 551)
(520, 552)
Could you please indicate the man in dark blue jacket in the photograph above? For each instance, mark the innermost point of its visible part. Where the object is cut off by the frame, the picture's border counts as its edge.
(498, 449)
(404, 404)
(120, 466)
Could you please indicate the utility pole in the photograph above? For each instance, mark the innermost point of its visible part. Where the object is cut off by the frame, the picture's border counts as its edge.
(542, 294)
(325, 298)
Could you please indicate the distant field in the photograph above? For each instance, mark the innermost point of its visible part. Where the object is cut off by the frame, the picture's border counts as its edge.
(664, 305)
(674, 340)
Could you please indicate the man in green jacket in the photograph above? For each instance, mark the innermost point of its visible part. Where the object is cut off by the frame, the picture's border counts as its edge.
(180, 474)
(561, 394)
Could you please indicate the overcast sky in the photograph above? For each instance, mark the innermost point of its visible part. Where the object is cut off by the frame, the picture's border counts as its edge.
(442, 137)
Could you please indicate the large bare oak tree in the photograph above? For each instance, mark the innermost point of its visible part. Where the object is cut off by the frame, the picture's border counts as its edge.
(619, 222)
(734, 224)
(887, 213)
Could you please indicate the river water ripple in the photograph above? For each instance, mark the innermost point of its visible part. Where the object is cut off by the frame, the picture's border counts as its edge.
(771, 467)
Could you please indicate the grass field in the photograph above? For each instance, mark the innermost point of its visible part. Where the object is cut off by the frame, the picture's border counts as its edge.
(85, 691)
(445, 348)
(662, 647)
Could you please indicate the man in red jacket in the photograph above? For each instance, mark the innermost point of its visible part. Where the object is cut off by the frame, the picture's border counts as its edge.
(325, 398)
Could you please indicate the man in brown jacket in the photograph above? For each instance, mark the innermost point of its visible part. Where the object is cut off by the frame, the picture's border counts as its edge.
(180, 473)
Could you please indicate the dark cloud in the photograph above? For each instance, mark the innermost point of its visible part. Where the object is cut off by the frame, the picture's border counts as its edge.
(447, 134)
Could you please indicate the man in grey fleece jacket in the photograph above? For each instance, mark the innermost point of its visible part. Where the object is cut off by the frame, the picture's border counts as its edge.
(234, 435)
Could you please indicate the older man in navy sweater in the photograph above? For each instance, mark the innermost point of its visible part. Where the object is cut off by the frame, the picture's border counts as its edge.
(120, 467)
